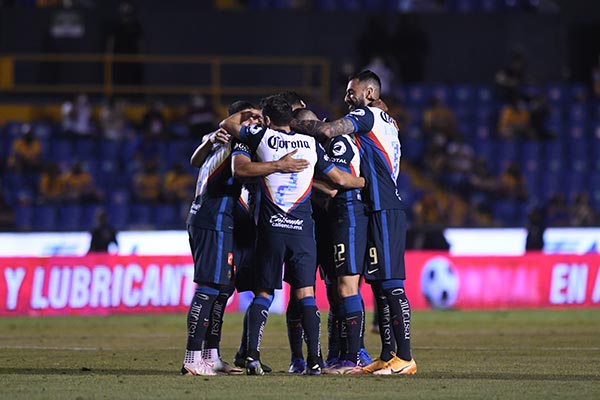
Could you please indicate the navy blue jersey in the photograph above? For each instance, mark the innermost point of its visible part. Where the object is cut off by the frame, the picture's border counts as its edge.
(343, 152)
(285, 197)
(379, 147)
(216, 192)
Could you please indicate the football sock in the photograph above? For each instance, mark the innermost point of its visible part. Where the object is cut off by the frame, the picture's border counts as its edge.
(362, 328)
(311, 321)
(258, 313)
(386, 334)
(400, 314)
(333, 324)
(213, 335)
(198, 316)
(242, 350)
(293, 319)
(353, 321)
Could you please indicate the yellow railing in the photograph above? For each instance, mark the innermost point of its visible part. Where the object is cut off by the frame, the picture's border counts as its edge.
(312, 69)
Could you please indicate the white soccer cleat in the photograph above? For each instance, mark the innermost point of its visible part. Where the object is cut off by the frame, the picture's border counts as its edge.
(194, 364)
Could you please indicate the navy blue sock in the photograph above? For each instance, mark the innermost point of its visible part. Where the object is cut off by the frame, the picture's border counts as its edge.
(198, 315)
(333, 324)
(343, 334)
(400, 313)
(353, 321)
(362, 337)
(243, 349)
(311, 321)
(386, 333)
(213, 336)
(293, 319)
(257, 320)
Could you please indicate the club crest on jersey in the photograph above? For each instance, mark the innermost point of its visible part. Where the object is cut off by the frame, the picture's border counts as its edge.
(275, 143)
(386, 117)
(338, 149)
(358, 112)
(254, 129)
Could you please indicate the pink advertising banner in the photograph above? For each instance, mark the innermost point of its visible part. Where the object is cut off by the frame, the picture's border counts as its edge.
(110, 284)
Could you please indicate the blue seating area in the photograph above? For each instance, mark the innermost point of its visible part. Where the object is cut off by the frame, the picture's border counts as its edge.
(568, 164)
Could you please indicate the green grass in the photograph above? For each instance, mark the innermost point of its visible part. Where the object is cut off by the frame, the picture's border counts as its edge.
(542, 354)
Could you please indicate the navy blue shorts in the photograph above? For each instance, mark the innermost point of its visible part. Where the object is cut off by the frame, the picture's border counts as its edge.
(385, 245)
(298, 252)
(349, 235)
(212, 252)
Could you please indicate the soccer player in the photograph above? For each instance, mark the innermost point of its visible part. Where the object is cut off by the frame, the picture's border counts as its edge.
(285, 227)
(379, 148)
(210, 225)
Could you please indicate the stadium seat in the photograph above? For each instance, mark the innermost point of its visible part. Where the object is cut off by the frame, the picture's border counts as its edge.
(578, 113)
(85, 149)
(24, 218)
(594, 190)
(88, 217)
(554, 156)
(551, 182)
(484, 94)
(167, 217)
(140, 215)
(61, 151)
(462, 95)
(69, 217)
(555, 93)
(440, 91)
(505, 211)
(417, 95)
(45, 218)
(575, 182)
(578, 149)
(532, 177)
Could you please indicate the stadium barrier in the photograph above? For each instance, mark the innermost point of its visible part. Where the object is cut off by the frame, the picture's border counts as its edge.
(112, 284)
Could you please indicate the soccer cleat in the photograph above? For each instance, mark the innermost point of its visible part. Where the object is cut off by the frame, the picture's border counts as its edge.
(376, 365)
(398, 366)
(194, 364)
(313, 365)
(224, 367)
(341, 368)
(331, 362)
(364, 358)
(240, 362)
(253, 367)
(297, 366)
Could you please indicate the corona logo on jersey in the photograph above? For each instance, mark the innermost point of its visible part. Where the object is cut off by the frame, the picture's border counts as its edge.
(276, 143)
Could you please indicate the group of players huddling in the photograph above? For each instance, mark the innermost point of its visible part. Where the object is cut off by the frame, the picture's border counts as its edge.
(251, 223)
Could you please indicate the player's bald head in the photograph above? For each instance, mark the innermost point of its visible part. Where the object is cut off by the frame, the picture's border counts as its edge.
(304, 114)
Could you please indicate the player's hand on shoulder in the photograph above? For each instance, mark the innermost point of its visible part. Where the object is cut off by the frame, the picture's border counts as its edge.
(379, 104)
(288, 163)
(219, 136)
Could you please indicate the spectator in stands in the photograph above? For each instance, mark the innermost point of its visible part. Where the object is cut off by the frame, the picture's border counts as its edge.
(429, 220)
(26, 152)
(460, 159)
(7, 214)
(512, 183)
(509, 78)
(484, 185)
(113, 120)
(581, 212)
(439, 119)
(147, 185)
(557, 211)
(79, 185)
(52, 185)
(154, 123)
(379, 66)
(178, 185)
(102, 234)
(539, 112)
(515, 120)
(200, 116)
(126, 37)
(77, 116)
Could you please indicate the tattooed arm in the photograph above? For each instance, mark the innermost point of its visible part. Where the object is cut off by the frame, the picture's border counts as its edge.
(319, 129)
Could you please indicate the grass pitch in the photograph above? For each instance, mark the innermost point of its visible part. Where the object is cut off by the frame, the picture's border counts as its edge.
(549, 354)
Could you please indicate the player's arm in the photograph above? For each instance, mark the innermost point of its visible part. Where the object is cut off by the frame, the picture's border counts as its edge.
(233, 124)
(342, 126)
(324, 187)
(204, 149)
(243, 167)
(345, 179)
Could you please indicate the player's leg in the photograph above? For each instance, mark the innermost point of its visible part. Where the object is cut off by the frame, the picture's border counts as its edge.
(293, 319)
(311, 321)
(212, 268)
(335, 347)
(211, 352)
(258, 313)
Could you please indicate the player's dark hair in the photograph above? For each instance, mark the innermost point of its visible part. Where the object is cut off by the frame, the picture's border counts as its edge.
(238, 106)
(304, 114)
(367, 75)
(292, 97)
(277, 109)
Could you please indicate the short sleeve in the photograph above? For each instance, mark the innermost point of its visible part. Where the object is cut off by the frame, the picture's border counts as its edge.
(324, 164)
(252, 135)
(362, 119)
